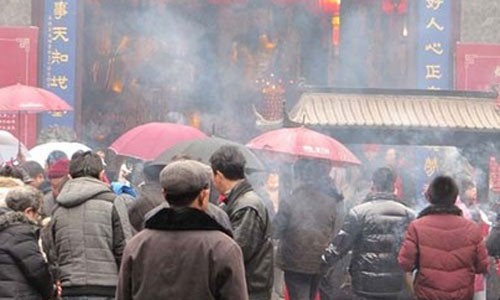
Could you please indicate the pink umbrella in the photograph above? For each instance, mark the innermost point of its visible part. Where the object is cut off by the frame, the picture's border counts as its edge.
(23, 98)
(19, 98)
(149, 140)
(305, 143)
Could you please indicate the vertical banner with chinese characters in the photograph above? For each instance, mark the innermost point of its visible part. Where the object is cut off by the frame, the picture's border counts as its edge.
(434, 44)
(428, 166)
(494, 183)
(59, 56)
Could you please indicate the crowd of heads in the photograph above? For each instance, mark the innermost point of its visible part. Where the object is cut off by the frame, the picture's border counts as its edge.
(185, 179)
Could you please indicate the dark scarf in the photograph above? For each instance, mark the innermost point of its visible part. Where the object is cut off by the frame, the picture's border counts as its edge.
(440, 210)
(183, 218)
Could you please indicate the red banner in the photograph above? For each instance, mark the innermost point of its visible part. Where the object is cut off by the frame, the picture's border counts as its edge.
(477, 67)
(494, 175)
(18, 64)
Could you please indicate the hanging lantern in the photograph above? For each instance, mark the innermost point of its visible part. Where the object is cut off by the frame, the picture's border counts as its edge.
(329, 7)
(398, 7)
(335, 30)
(332, 8)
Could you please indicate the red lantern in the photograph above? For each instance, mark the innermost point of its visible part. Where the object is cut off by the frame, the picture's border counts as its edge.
(399, 7)
(330, 7)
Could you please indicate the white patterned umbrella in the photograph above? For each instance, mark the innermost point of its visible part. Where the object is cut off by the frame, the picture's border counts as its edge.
(40, 152)
(9, 147)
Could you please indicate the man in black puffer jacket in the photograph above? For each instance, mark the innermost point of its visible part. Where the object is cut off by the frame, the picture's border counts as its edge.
(85, 238)
(24, 274)
(374, 231)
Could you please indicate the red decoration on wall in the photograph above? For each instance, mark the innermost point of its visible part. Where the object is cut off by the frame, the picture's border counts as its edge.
(330, 7)
(399, 7)
(477, 67)
(19, 64)
(494, 175)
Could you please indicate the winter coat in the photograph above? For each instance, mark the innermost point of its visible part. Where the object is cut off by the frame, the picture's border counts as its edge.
(149, 196)
(304, 225)
(252, 231)
(183, 253)
(86, 238)
(373, 231)
(493, 241)
(447, 250)
(24, 274)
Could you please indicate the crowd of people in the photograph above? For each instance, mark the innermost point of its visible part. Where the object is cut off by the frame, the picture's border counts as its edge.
(203, 231)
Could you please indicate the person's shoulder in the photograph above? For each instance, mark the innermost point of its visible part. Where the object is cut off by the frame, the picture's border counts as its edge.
(402, 208)
(143, 236)
(250, 199)
(222, 243)
(471, 227)
(362, 207)
(20, 231)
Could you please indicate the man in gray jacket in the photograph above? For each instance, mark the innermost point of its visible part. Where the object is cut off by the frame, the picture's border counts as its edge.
(85, 235)
(249, 219)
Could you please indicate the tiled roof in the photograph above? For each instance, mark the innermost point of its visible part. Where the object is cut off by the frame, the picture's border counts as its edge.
(416, 111)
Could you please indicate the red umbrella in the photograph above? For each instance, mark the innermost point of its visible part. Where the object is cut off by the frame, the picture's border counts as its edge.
(306, 143)
(148, 141)
(23, 98)
(19, 98)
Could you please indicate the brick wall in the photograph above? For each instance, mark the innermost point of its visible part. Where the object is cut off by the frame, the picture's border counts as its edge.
(15, 12)
(480, 21)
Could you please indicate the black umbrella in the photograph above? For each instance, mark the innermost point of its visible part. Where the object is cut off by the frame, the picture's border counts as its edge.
(202, 149)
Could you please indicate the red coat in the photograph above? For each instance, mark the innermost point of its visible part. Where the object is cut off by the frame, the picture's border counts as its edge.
(447, 250)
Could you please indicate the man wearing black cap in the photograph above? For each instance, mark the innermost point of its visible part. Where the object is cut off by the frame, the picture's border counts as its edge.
(183, 253)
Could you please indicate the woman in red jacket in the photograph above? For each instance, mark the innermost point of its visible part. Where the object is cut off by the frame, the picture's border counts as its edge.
(445, 249)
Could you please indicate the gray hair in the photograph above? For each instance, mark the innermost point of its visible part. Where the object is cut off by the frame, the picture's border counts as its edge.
(23, 197)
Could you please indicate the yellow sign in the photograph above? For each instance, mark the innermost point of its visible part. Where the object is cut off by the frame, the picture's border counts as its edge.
(435, 47)
(60, 33)
(434, 4)
(60, 9)
(433, 72)
(434, 23)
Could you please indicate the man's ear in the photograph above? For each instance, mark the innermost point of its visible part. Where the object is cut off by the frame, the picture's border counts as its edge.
(203, 198)
(102, 176)
(28, 210)
(205, 193)
(30, 213)
(219, 173)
